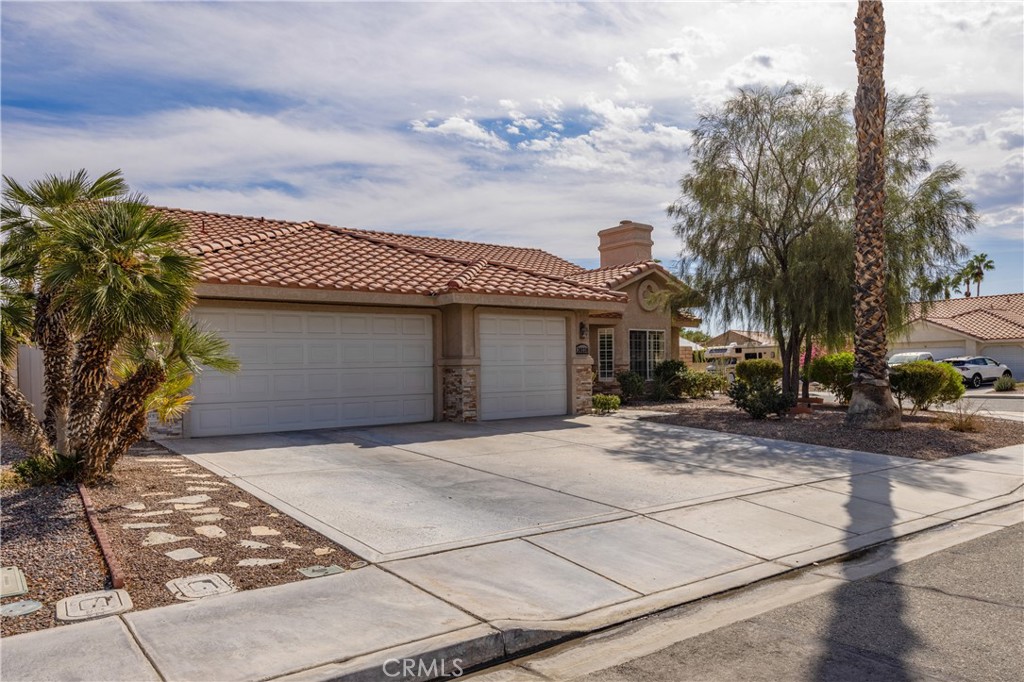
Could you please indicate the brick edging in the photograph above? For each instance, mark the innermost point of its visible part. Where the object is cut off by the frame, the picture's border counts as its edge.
(116, 575)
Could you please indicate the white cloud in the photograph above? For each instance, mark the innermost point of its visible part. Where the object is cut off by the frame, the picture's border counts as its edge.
(461, 128)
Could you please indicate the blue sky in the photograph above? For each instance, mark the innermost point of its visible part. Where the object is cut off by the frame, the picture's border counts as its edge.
(530, 124)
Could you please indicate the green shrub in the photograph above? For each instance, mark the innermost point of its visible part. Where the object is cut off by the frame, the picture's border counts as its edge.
(760, 398)
(926, 383)
(44, 470)
(631, 385)
(603, 404)
(835, 373)
(1005, 384)
(698, 385)
(667, 379)
(756, 370)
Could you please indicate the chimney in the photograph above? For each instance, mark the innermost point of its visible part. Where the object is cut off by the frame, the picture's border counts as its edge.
(627, 242)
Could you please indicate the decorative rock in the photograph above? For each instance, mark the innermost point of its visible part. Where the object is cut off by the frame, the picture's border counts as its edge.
(184, 554)
(290, 545)
(133, 506)
(358, 564)
(155, 494)
(262, 530)
(321, 571)
(12, 582)
(211, 531)
(208, 518)
(201, 489)
(189, 499)
(93, 605)
(203, 510)
(183, 507)
(252, 544)
(20, 608)
(207, 561)
(159, 538)
(153, 513)
(137, 526)
(260, 562)
(323, 551)
(200, 586)
(240, 505)
(273, 515)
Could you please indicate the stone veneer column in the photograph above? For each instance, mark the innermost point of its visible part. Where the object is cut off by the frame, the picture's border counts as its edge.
(459, 394)
(583, 384)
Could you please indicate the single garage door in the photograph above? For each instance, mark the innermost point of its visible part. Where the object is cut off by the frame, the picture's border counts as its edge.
(522, 366)
(1011, 355)
(310, 370)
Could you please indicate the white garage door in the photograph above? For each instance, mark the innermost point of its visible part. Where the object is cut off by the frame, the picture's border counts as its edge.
(1010, 355)
(308, 370)
(522, 366)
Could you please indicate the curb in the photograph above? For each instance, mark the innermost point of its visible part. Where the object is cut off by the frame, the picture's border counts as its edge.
(116, 575)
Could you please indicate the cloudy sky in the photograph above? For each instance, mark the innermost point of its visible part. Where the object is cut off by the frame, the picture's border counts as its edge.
(523, 123)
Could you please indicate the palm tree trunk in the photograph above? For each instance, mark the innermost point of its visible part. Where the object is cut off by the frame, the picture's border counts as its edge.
(871, 406)
(53, 338)
(89, 376)
(118, 421)
(18, 419)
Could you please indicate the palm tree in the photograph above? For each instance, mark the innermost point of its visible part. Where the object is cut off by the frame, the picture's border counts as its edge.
(15, 410)
(872, 405)
(28, 234)
(974, 271)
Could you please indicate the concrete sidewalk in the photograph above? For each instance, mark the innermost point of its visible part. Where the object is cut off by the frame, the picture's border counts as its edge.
(492, 597)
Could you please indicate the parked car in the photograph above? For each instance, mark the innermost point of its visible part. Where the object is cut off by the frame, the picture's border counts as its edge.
(903, 358)
(977, 370)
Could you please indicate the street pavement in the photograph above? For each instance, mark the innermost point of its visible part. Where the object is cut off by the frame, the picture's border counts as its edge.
(957, 614)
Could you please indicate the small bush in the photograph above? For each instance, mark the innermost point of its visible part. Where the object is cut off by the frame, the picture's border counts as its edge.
(756, 370)
(667, 380)
(760, 398)
(699, 385)
(11, 480)
(44, 470)
(926, 383)
(1005, 384)
(962, 418)
(835, 373)
(603, 404)
(631, 385)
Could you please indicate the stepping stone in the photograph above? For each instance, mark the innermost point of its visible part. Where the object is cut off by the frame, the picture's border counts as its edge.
(262, 530)
(136, 526)
(183, 507)
(184, 554)
(203, 510)
(252, 544)
(162, 512)
(189, 499)
(207, 561)
(159, 538)
(320, 571)
(290, 545)
(240, 505)
(200, 586)
(201, 489)
(133, 506)
(208, 518)
(323, 551)
(20, 608)
(93, 605)
(260, 562)
(211, 531)
(12, 582)
(155, 494)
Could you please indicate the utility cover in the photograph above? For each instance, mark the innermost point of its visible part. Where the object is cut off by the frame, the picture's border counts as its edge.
(199, 586)
(12, 582)
(320, 571)
(93, 605)
(20, 608)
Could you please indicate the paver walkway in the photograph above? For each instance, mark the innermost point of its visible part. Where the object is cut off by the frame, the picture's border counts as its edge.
(490, 539)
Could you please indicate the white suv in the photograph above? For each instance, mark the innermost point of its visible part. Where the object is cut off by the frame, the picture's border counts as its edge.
(977, 370)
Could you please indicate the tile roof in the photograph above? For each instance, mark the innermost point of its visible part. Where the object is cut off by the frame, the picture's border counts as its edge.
(256, 251)
(617, 274)
(989, 318)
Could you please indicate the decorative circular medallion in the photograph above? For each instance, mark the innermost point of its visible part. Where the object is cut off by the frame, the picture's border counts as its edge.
(647, 293)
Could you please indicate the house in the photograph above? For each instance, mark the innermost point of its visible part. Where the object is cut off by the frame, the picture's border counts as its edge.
(340, 327)
(992, 326)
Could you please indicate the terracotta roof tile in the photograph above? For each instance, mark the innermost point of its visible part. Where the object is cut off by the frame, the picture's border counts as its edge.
(989, 318)
(615, 275)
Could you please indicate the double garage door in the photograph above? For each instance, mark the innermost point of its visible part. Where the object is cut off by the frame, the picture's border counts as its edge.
(308, 370)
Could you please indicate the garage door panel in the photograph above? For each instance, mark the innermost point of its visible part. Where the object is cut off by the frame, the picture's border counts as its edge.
(316, 370)
(523, 371)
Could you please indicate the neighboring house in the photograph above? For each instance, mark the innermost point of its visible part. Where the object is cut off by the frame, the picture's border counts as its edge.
(991, 326)
(342, 327)
(743, 345)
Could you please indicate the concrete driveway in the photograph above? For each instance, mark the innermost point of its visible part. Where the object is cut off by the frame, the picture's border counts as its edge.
(403, 491)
